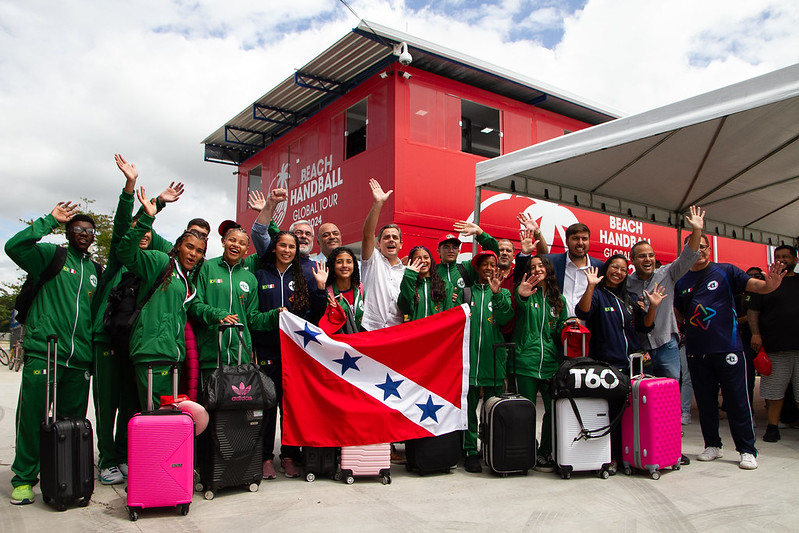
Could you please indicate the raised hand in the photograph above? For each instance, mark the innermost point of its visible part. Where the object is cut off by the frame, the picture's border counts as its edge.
(278, 195)
(774, 277)
(320, 273)
(128, 169)
(378, 195)
(656, 296)
(331, 300)
(256, 200)
(593, 277)
(526, 242)
(527, 286)
(527, 222)
(147, 204)
(64, 211)
(171, 193)
(496, 279)
(467, 228)
(416, 264)
(696, 219)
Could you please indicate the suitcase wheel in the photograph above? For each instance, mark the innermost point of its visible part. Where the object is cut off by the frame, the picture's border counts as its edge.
(84, 502)
(198, 486)
(47, 499)
(253, 487)
(385, 480)
(208, 495)
(675, 467)
(349, 480)
(133, 513)
(184, 509)
(338, 476)
(62, 507)
(627, 470)
(656, 475)
(604, 474)
(310, 477)
(566, 475)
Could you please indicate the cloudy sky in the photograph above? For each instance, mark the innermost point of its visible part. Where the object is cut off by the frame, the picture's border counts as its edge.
(150, 79)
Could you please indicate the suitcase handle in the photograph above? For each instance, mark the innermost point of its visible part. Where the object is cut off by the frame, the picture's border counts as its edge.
(238, 328)
(638, 356)
(52, 340)
(174, 366)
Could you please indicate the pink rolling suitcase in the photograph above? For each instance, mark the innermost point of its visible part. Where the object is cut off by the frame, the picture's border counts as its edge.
(651, 430)
(160, 456)
(370, 460)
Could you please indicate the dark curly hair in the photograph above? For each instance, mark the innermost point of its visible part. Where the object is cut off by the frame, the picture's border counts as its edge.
(551, 291)
(301, 302)
(173, 253)
(438, 290)
(331, 263)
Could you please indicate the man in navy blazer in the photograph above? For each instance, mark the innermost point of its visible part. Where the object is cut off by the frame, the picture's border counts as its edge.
(570, 264)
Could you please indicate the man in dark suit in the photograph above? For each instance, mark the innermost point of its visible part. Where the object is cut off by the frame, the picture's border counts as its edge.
(570, 264)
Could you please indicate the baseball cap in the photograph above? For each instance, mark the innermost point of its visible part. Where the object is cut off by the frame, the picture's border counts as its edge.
(448, 237)
(482, 254)
(226, 225)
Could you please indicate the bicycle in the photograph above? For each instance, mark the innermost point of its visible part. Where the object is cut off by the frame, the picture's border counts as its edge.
(4, 358)
(15, 360)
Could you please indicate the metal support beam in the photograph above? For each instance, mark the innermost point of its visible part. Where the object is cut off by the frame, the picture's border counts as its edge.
(276, 115)
(240, 136)
(318, 83)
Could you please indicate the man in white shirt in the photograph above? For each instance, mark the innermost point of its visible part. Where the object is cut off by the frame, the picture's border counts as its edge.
(569, 265)
(381, 272)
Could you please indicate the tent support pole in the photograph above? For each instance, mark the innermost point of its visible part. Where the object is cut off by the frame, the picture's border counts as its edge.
(478, 200)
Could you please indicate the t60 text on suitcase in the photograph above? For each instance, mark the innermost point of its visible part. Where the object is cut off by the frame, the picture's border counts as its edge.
(230, 449)
(507, 429)
(651, 431)
(369, 460)
(160, 455)
(66, 448)
(434, 454)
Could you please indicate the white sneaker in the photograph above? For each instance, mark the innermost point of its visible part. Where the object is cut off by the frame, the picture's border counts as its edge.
(123, 468)
(748, 461)
(111, 476)
(711, 453)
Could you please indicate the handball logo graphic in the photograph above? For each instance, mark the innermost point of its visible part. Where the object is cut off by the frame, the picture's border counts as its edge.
(280, 181)
(550, 217)
(242, 392)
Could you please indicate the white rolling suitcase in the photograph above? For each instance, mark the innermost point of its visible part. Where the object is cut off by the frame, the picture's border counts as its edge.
(574, 453)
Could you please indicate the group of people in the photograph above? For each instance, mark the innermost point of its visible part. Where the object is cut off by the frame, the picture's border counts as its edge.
(183, 297)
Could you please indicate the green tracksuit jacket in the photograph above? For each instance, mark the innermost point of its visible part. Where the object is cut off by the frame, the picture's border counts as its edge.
(157, 334)
(426, 305)
(63, 306)
(224, 290)
(489, 312)
(537, 334)
(449, 272)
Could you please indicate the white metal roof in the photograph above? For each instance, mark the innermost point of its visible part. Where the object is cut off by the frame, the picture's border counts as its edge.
(733, 151)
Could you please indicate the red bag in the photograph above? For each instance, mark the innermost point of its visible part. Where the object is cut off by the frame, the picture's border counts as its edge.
(575, 338)
(763, 363)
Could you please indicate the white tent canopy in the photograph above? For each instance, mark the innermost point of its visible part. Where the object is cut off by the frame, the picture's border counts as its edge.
(734, 151)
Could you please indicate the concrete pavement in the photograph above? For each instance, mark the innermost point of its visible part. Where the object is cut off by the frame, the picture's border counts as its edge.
(715, 496)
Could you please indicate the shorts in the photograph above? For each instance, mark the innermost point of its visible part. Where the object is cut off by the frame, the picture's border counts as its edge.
(784, 369)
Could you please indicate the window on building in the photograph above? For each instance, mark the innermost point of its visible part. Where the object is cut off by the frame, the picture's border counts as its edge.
(355, 133)
(480, 132)
(254, 180)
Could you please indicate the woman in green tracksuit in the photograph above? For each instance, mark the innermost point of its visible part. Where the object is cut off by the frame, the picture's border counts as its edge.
(227, 292)
(540, 316)
(157, 333)
(61, 307)
(422, 291)
(491, 308)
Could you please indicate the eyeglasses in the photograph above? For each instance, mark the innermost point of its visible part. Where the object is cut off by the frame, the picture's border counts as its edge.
(77, 230)
(300, 233)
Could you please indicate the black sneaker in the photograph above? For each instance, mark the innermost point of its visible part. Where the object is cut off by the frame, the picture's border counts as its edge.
(544, 463)
(684, 460)
(472, 464)
(772, 433)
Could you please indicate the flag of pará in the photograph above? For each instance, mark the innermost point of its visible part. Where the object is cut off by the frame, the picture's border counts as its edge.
(388, 385)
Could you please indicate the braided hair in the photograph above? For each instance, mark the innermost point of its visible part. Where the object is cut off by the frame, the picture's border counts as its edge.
(302, 302)
(438, 290)
(173, 253)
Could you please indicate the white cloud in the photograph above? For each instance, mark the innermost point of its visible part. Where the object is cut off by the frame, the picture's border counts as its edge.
(150, 79)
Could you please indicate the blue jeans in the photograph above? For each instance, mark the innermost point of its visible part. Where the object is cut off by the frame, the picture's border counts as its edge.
(666, 359)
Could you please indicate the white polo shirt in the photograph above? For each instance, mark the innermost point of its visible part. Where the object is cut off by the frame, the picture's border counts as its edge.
(381, 283)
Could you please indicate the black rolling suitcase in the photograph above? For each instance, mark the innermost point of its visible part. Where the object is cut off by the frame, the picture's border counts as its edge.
(507, 429)
(434, 454)
(66, 448)
(320, 461)
(231, 447)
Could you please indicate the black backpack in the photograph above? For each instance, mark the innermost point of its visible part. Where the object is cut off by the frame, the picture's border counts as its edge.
(123, 307)
(30, 289)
